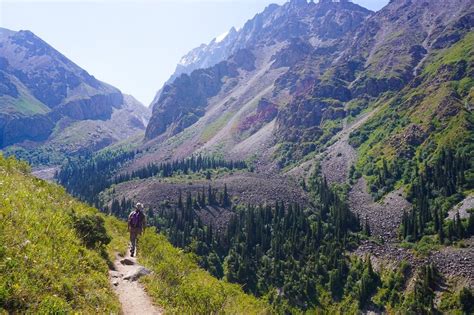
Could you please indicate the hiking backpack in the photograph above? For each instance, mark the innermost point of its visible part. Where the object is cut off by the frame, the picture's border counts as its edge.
(135, 219)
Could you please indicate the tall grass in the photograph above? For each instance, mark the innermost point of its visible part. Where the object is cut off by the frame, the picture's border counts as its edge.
(44, 267)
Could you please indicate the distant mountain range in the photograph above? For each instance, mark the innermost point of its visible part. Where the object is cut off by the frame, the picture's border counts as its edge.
(294, 72)
(44, 96)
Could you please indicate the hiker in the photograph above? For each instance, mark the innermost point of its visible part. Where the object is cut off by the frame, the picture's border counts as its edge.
(136, 226)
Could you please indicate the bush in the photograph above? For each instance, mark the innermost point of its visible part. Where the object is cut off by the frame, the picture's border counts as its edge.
(92, 231)
(54, 305)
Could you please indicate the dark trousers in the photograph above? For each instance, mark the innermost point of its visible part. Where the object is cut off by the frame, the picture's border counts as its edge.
(134, 233)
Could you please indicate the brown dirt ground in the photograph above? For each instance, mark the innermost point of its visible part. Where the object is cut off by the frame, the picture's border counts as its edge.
(133, 297)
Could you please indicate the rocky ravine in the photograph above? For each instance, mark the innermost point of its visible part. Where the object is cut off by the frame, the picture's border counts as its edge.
(339, 157)
(384, 217)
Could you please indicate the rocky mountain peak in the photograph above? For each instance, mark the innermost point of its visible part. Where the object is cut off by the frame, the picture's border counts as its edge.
(290, 33)
(298, 3)
(276, 23)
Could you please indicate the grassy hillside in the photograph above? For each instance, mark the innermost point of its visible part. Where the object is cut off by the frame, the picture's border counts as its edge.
(53, 259)
(432, 114)
(25, 104)
(44, 265)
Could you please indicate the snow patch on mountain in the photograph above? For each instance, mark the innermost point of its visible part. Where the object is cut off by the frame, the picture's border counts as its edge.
(221, 37)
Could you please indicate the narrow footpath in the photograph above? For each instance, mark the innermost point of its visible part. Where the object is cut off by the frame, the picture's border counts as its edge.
(133, 297)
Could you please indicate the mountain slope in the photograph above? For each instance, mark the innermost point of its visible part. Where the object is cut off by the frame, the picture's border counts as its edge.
(315, 65)
(431, 114)
(280, 39)
(53, 259)
(44, 96)
(45, 265)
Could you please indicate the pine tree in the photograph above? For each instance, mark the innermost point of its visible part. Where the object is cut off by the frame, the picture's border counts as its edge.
(180, 201)
(441, 235)
(470, 224)
(226, 199)
(210, 197)
(437, 224)
(459, 227)
(367, 230)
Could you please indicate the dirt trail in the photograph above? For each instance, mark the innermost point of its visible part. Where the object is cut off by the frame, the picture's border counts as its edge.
(124, 279)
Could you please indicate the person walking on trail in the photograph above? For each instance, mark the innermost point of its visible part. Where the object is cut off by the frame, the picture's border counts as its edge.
(136, 226)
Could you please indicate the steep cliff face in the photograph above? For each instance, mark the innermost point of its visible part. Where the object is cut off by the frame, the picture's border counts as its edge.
(49, 104)
(184, 101)
(39, 86)
(16, 129)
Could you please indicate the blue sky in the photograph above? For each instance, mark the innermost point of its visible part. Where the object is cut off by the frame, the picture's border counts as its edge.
(133, 45)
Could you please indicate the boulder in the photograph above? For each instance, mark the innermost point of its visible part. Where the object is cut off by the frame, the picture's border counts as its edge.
(137, 273)
(127, 261)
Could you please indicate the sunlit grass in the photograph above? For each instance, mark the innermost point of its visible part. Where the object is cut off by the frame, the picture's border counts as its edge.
(44, 267)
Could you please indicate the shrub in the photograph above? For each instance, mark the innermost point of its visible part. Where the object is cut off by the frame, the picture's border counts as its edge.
(91, 230)
(54, 305)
